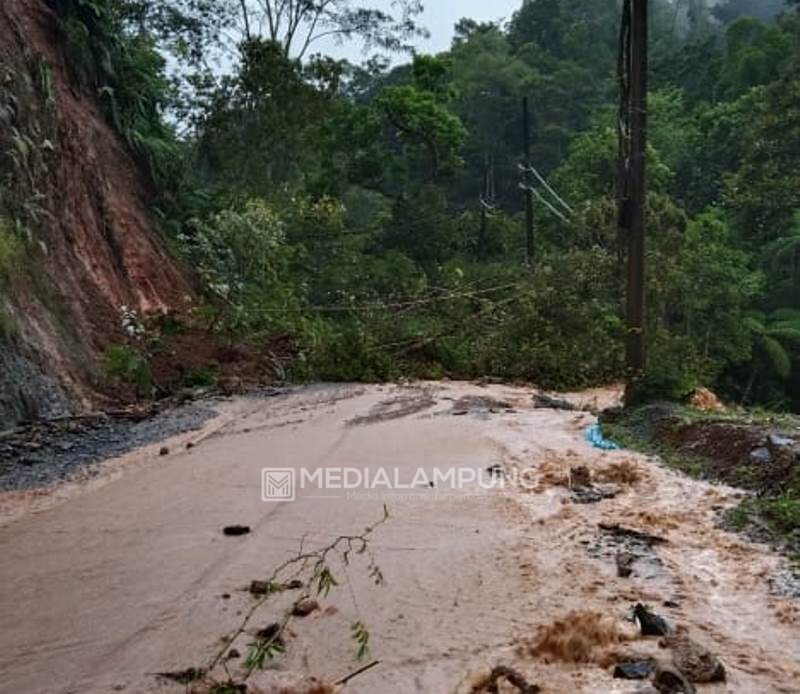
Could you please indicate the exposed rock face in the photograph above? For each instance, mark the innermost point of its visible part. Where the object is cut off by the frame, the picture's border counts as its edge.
(25, 392)
(91, 244)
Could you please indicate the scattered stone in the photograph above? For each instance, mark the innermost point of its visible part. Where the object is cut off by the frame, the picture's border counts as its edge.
(761, 456)
(650, 624)
(619, 531)
(189, 444)
(547, 402)
(64, 447)
(459, 413)
(669, 680)
(594, 494)
(777, 441)
(266, 587)
(625, 561)
(226, 596)
(692, 659)
(633, 670)
(164, 451)
(671, 604)
(580, 476)
(786, 582)
(496, 469)
(233, 653)
(304, 607)
(236, 530)
(259, 587)
(488, 681)
(614, 543)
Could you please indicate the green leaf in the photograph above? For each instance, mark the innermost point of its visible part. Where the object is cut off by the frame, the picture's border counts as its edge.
(785, 332)
(778, 357)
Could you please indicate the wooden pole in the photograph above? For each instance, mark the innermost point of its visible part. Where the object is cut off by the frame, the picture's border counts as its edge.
(526, 151)
(637, 201)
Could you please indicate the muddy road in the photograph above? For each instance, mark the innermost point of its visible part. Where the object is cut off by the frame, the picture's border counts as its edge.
(108, 582)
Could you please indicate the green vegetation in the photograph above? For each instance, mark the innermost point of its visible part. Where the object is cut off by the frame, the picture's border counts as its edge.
(129, 367)
(716, 446)
(10, 251)
(8, 326)
(373, 214)
(635, 430)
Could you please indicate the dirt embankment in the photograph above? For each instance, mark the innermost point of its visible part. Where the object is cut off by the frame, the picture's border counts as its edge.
(758, 453)
(91, 246)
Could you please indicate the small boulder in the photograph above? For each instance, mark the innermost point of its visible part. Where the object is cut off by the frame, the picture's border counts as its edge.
(259, 587)
(761, 456)
(692, 659)
(594, 494)
(669, 680)
(777, 441)
(580, 477)
(236, 530)
(650, 624)
(548, 402)
(625, 561)
(304, 607)
(639, 669)
(494, 470)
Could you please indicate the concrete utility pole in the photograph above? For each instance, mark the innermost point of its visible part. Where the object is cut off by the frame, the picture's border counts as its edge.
(633, 199)
(526, 152)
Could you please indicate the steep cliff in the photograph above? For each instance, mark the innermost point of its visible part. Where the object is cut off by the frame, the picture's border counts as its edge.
(76, 237)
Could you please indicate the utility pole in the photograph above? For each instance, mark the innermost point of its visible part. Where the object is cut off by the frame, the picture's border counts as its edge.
(526, 152)
(634, 65)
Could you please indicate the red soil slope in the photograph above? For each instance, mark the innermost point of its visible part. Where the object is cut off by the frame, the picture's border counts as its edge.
(93, 246)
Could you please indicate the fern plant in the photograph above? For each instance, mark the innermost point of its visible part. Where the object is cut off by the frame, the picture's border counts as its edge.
(776, 343)
(783, 256)
(126, 71)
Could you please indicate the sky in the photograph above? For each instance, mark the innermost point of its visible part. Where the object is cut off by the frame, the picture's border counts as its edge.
(439, 18)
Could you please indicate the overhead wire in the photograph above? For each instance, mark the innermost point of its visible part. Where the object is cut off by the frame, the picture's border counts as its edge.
(545, 202)
(530, 168)
(377, 306)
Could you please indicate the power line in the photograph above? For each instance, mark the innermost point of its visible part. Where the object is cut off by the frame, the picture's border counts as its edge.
(545, 202)
(377, 306)
(530, 168)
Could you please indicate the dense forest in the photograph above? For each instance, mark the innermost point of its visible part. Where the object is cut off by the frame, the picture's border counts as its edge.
(373, 214)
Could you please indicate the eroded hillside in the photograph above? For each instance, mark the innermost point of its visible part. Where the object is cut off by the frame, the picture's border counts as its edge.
(76, 237)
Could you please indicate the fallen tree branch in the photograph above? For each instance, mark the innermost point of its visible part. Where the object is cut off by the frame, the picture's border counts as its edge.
(356, 673)
(319, 579)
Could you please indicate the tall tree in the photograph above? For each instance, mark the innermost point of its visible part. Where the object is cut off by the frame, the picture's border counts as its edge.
(297, 25)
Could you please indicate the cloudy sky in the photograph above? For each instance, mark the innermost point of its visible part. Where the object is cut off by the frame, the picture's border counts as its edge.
(439, 18)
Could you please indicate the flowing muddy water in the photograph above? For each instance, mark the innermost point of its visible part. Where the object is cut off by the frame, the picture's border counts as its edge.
(105, 585)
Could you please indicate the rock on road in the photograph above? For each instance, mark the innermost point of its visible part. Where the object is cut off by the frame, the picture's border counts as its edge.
(105, 584)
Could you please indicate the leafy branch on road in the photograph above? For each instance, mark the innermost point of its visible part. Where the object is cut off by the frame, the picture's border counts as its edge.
(311, 572)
